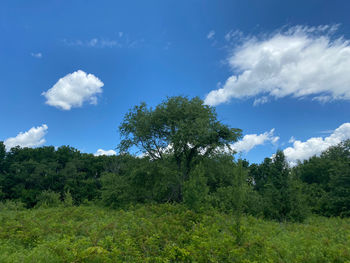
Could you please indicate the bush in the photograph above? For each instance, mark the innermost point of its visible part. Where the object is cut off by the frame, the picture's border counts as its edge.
(12, 205)
(48, 199)
(68, 199)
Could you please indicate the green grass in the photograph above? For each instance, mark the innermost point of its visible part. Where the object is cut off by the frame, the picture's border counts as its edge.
(165, 233)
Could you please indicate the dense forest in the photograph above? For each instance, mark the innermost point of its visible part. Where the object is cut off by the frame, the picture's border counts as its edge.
(185, 162)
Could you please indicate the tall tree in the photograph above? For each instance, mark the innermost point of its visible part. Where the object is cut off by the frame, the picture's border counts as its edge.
(281, 191)
(184, 129)
(2, 167)
(328, 180)
(339, 183)
(2, 153)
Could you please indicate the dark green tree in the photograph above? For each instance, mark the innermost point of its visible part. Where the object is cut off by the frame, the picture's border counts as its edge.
(328, 180)
(280, 190)
(339, 179)
(183, 129)
(2, 157)
(2, 168)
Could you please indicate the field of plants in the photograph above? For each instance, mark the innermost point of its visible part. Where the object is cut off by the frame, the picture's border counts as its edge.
(164, 233)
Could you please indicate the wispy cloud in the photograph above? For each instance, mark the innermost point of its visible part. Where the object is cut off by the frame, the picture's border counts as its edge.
(93, 43)
(121, 40)
(234, 35)
(327, 131)
(299, 62)
(36, 55)
(167, 45)
(211, 34)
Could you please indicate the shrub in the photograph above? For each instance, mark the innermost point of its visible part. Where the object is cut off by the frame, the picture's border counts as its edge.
(48, 199)
(68, 199)
(12, 205)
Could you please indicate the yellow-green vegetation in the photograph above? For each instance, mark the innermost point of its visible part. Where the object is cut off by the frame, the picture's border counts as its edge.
(165, 233)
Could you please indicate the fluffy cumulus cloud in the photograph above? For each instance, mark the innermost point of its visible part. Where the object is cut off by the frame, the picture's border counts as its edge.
(316, 145)
(104, 152)
(299, 62)
(73, 90)
(32, 138)
(249, 141)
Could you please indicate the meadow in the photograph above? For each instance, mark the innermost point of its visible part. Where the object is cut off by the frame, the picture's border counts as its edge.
(164, 233)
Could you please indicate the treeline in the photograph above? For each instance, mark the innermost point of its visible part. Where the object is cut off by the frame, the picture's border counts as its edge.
(319, 185)
(186, 160)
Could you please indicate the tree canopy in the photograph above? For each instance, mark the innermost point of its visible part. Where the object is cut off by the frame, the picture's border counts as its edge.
(183, 127)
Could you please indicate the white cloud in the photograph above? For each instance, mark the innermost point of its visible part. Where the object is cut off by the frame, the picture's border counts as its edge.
(36, 55)
(122, 40)
(95, 42)
(234, 35)
(299, 62)
(32, 138)
(327, 131)
(260, 100)
(73, 90)
(104, 152)
(315, 145)
(292, 139)
(167, 45)
(211, 34)
(249, 141)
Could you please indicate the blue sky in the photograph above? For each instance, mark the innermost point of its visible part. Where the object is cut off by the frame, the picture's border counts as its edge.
(70, 70)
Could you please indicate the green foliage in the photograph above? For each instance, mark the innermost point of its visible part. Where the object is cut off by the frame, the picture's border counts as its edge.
(328, 180)
(299, 210)
(49, 199)
(231, 196)
(165, 233)
(196, 190)
(2, 157)
(68, 199)
(26, 172)
(115, 192)
(223, 199)
(186, 170)
(182, 129)
(281, 191)
(339, 189)
(11, 205)
(187, 162)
